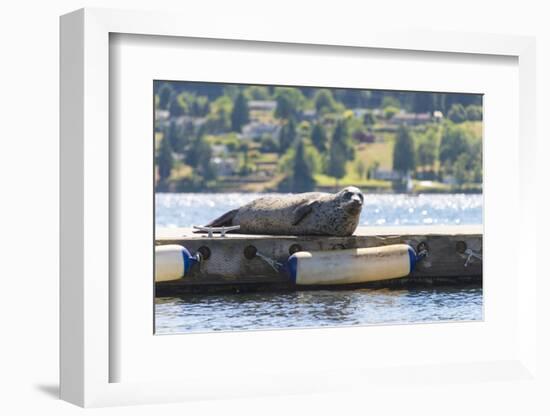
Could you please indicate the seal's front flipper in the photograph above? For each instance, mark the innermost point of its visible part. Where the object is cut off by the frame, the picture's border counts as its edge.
(302, 211)
(225, 220)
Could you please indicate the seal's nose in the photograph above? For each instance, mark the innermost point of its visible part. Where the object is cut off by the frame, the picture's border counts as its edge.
(356, 198)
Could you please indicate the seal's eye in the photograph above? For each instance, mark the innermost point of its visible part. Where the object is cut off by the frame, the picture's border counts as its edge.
(348, 195)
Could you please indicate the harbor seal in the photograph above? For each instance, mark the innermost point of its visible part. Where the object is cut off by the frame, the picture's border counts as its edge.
(311, 213)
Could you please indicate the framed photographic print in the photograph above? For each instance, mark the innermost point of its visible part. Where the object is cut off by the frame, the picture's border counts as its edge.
(280, 213)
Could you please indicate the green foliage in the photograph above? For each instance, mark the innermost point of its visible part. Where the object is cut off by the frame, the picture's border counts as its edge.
(304, 129)
(474, 113)
(289, 102)
(361, 169)
(246, 168)
(287, 135)
(457, 113)
(426, 150)
(423, 102)
(199, 153)
(239, 115)
(268, 144)
(165, 94)
(467, 169)
(219, 118)
(454, 142)
(404, 155)
(231, 91)
(193, 105)
(175, 108)
(389, 101)
(215, 114)
(178, 137)
(390, 111)
(302, 172)
(319, 137)
(324, 102)
(368, 119)
(257, 92)
(338, 153)
(165, 160)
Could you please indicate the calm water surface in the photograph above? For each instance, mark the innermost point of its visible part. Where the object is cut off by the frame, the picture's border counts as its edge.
(302, 309)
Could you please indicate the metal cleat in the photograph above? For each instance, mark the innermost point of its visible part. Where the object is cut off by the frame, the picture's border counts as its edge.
(212, 230)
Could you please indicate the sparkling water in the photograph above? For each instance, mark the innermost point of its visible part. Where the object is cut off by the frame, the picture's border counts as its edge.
(303, 309)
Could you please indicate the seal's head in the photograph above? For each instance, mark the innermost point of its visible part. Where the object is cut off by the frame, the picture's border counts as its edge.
(351, 200)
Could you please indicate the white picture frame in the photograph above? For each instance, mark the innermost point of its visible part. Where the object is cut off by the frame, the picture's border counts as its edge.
(86, 304)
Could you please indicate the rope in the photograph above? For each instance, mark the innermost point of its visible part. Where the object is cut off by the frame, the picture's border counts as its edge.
(273, 263)
(471, 253)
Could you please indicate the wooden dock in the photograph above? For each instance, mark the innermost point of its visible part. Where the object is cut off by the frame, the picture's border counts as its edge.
(232, 264)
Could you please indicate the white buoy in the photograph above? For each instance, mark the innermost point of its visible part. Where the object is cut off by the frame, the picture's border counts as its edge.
(358, 265)
(172, 262)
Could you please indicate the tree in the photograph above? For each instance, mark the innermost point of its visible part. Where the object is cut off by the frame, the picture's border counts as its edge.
(174, 107)
(289, 102)
(179, 136)
(287, 135)
(324, 102)
(219, 118)
(361, 169)
(165, 94)
(319, 137)
(457, 113)
(461, 169)
(474, 113)
(427, 149)
(404, 156)
(285, 108)
(423, 102)
(268, 144)
(199, 153)
(165, 160)
(338, 152)
(390, 111)
(239, 115)
(454, 142)
(245, 168)
(368, 119)
(302, 173)
(389, 101)
(200, 106)
(257, 92)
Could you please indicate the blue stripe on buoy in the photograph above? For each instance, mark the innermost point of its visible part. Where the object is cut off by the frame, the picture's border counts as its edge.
(186, 260)
(412, 258)
(293, 268)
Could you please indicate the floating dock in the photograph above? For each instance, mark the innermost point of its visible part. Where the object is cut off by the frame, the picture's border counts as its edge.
(237, 262)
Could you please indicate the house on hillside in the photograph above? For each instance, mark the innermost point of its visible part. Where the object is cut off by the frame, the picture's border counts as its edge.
(189, 120)
(411, 119)
(257, 129)
(226, 166)
(308, 115)
(262, 105)
(161, 115)
(359, 112)
(385, 175)
(219, 149)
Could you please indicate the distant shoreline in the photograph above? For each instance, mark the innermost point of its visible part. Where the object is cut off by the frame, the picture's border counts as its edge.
(325, 189)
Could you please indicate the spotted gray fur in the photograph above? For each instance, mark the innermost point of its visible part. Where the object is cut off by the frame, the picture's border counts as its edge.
(312, 213)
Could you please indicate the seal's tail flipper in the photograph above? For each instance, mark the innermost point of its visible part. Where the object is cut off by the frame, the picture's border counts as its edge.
(225, 220)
